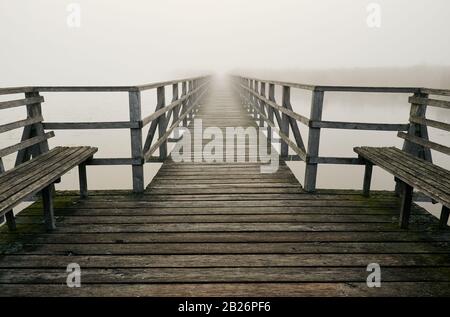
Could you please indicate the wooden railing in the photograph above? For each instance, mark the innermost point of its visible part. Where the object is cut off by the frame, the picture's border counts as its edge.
(164, 120)
(259, 96)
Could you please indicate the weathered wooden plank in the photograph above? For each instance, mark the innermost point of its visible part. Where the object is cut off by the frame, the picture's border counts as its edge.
(235, 227)
(91, 125)
(136, 141)
(217, 275)
(425, 249)
(233, 290)
(223, 260)
(19, 124)
(431, 123)
(430, 102)
(423, 184)
(359, 125)
(313, 141)
(48, 177)
(224, 237)
(22, 178)
(25, 144)
(423, 142)
(20, 102)
(231, 218)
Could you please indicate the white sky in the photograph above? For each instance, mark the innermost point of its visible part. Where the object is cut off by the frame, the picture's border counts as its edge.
(136, 41)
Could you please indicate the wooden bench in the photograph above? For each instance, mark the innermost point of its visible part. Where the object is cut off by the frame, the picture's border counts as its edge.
(36, 168)
(412, 166)
(411, 172)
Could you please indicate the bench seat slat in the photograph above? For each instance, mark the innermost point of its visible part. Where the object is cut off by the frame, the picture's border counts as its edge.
(422, 181)
(438, 173)
(28, 165)
(25, 176)
(48, 176)
(428, 178)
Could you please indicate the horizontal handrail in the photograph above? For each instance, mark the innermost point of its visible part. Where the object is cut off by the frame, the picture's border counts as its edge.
(15, 90)
(160, 112)
(339, 88)
(274, 105)
(92, 125)
(167, 83)
(263, 107)
(180, 110)
(169, 130)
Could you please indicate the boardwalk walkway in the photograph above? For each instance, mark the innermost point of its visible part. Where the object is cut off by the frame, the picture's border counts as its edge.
(225, 229)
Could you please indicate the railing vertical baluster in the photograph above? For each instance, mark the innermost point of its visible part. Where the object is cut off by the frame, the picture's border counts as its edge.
(313, 141)
(249, 95)
(284, 128)
(162, 121)
(262, 107)
(175, 110)
(191, 99)
(255, 100)
(184, 103)
(270, 111)
(136, 142)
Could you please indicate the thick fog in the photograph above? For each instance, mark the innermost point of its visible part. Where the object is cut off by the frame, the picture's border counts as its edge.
(137, 41)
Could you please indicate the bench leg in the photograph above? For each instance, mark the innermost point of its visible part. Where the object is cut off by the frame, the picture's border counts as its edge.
(444, 217)
(83, 180)
(367, 179)
(10, 220)
(405, 209)
(49, 214)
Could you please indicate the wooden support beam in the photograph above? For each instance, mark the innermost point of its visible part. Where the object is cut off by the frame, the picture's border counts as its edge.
(184, 103)
(162, 121)
(313, 141)
(49, 214)
(443, 220)
(82, 175)
(406, 202)
(270, 112)
(136, 141)
(262, 105)
(367, 179)
(284, 127)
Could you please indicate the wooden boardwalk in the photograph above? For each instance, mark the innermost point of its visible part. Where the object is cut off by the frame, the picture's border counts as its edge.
(225, 229)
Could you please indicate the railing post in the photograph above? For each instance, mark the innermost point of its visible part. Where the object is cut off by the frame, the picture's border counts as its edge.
(175, 110)
(191, 99)
(284, 128)
(136, 142)
(313, 142)
(416, 129)
(255, 100)
(248, 83)
(270, 111)
(162, 121)
(184, 103)
(36, 129)
(261, 104)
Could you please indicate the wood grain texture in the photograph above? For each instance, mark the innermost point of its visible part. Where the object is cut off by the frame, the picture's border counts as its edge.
(225, 229)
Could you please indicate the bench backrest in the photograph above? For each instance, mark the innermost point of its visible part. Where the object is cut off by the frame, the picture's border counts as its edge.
(416, 140)
(34, 139)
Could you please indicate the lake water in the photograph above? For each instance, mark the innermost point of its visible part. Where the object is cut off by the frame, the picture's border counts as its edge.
(358, 107)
